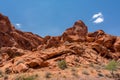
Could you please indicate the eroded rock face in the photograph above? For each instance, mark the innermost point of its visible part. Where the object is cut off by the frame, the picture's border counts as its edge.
(76, 33)
(6, 53)
(50, 41)
(20, 68)
(5, 25)
(101, 38)
(117, 45)
(109, 41)
(9, 36)
(21, 51)
(96, 36)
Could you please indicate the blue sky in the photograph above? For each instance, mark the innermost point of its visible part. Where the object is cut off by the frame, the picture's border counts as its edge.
(52, 17)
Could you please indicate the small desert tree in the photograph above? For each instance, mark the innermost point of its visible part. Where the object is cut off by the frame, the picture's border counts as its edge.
(112, 66)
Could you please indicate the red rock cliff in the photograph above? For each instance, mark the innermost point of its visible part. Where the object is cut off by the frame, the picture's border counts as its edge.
(9, 36)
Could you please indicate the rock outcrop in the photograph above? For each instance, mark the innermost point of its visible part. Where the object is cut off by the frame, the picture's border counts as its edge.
(76, 33)
(9, 36)
(21, 51)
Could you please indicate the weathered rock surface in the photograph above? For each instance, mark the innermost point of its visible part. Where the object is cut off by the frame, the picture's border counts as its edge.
(76, 33)
(20, 68)
(21, 51)
(117, 45)
(9, 36)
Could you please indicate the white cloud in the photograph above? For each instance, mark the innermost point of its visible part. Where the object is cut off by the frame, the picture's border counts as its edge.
(97, 15)
(98, 18)
(18, 25)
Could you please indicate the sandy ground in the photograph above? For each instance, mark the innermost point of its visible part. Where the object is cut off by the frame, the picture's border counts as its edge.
(84, 72)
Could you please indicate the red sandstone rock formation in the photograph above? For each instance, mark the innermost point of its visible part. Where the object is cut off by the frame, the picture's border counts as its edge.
(76, 33)
(9, 36)
(74, 44)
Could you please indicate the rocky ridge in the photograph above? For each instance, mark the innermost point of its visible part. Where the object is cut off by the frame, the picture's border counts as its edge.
(23, 51)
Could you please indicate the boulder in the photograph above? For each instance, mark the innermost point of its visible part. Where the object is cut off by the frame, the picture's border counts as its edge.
(34, 63)
(11, 52)
(20, 68)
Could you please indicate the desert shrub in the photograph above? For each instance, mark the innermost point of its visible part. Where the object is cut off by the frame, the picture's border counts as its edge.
(74, 72)
(32, 77)
(112, 66)
(108, 75)
(73, 69)
(85, 72)
(48, 75)
(62, 64)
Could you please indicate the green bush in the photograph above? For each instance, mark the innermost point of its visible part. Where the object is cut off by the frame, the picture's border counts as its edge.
(112, 66)
(62, 64)
(26, 77)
